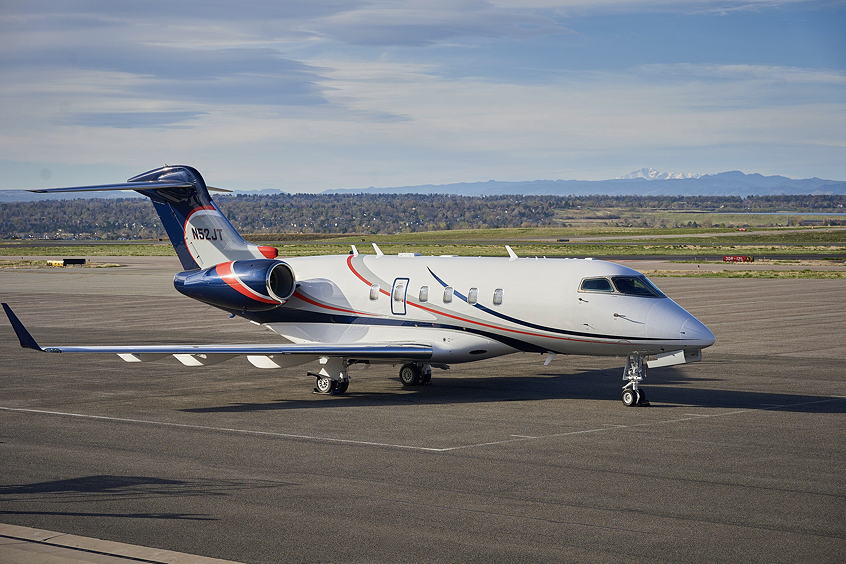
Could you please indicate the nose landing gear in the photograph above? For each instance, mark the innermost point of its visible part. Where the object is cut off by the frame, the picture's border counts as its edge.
(634, 372)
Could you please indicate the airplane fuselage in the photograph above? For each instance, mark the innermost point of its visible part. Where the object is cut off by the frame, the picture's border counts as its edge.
(471, 308)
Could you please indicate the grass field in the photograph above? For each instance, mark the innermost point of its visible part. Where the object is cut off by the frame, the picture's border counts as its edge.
(541, 234)
(664, 218)
(490, 242)
(304, 249)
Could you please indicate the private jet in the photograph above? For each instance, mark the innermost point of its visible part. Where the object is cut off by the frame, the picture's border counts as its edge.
(418, 312)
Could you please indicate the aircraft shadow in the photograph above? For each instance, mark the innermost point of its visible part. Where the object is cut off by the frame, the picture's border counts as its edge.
(178, 516)
(666, 387)
(109, 488)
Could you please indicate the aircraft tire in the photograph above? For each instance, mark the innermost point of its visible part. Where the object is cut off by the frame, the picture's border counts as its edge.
(325, 385)
(629, 397)
(641, 398)
(342, 387)
(409, 375)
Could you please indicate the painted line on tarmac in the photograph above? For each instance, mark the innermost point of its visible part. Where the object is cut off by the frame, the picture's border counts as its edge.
(690, 417)
(219, 429)
(513, 439)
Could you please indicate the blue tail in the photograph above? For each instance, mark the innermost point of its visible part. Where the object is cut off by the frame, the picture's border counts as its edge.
(199, 232)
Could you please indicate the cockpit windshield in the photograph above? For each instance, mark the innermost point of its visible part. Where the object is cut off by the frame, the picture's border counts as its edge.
(596, 285)
(636, 286)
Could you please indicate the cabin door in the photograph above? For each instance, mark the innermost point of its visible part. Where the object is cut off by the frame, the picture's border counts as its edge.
(398, 294)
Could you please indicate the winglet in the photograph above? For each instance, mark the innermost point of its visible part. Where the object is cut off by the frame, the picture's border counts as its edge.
(378, 251)
(354, 251)
(24, 337)
(512, 255)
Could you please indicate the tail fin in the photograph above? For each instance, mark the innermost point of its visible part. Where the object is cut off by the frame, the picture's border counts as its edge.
(200, 233)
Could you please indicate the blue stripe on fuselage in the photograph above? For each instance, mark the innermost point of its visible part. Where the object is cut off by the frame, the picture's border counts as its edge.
(541, 327)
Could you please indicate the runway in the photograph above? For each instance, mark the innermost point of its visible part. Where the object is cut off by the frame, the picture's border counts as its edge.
(741, 457)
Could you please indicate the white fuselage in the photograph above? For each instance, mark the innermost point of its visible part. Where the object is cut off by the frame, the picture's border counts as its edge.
(469, 308)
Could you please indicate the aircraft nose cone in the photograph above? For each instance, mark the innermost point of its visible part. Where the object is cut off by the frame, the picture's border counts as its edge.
(694, 330)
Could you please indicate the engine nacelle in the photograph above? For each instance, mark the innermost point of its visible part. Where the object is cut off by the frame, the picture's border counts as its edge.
(241, 285)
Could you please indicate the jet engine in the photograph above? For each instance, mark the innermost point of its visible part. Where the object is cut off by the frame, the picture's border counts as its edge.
(241, 285)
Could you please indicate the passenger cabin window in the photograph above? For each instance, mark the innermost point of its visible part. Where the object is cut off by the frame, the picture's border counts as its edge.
(447, 294)
(424, 293)
(473, 296)
(596, 285)
(636, 286)
(497, 299)
(374, 292)
(399, 292)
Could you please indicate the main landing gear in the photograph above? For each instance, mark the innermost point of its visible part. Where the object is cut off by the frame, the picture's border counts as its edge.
(333, 377)
(634, 372)
(415, 374)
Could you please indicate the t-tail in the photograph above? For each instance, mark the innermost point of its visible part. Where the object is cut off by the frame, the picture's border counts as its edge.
(200, 233)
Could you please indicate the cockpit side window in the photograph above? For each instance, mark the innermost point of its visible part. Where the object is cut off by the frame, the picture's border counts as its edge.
(596, 285)
(636, 286)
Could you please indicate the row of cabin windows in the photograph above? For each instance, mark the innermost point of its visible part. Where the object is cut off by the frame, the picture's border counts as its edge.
(423, 296)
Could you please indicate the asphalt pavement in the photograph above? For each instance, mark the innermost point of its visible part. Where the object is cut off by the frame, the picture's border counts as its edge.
(740, 458)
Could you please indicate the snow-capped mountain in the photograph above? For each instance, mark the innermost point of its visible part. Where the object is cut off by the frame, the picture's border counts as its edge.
(646, 182)
(652, 174)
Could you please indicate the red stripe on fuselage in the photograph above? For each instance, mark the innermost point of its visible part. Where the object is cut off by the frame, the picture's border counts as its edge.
(224, 270)
(301, 296)
(360, 277)
(464, 319)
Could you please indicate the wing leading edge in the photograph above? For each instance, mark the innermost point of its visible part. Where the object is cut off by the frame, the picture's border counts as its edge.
(399, 351)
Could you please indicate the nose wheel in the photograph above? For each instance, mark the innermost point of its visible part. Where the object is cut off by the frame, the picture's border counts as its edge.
(634, 398)
(634, 372)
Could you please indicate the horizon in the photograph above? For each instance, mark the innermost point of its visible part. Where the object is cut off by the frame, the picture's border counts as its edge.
(329, 94)
(527, 180)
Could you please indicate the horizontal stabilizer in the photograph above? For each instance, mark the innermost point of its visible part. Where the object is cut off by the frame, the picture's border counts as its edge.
(152, 185)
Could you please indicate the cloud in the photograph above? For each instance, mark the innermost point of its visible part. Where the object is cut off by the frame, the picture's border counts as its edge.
(132, 120)
(230, 76)
(424, 22)
(768, 73)
(309, 95)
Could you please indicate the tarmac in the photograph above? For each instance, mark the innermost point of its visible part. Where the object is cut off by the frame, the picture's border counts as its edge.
(741, 457)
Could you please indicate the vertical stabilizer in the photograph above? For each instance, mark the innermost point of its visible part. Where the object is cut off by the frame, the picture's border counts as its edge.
(200, 233)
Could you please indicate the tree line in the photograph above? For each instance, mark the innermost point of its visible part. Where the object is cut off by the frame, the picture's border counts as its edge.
(134, 218)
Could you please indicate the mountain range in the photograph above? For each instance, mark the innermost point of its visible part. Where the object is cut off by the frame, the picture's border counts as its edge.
(643, 182)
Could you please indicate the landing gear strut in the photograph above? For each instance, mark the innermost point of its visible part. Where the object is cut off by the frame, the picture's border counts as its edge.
(332, 378)
(415, 374)
(634, 372)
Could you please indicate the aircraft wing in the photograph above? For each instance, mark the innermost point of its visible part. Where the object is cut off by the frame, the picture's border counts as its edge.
(399, 351)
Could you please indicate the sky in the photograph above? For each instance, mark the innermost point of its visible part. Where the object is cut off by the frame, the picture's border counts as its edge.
(307, 95)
